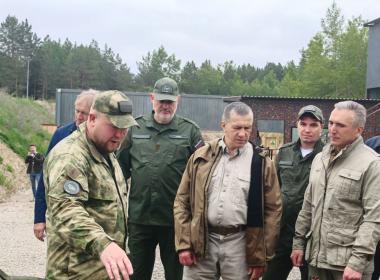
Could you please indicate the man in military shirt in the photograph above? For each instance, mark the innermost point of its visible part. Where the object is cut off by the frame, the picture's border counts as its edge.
(293, 164)
(154, 157)
(86, 196)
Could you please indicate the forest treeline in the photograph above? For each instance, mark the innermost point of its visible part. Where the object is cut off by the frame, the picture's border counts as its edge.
(332, 65)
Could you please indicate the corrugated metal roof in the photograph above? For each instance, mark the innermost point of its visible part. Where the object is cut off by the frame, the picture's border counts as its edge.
(372, 22)
(298, 98)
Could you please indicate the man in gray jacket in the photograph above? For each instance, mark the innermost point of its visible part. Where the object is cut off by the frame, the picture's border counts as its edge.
(339, 225)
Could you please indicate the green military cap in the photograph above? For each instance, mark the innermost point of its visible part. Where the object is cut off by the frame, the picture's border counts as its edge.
(117, 106)
(166, 89)
(312, 110)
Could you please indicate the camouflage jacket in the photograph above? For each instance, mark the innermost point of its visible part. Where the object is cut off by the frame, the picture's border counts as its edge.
(86, 208)
(155, 156)
(339, 223)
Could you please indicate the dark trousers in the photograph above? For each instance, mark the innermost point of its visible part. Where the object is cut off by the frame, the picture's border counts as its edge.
(279, 268)
(376, 272)
(142, 243)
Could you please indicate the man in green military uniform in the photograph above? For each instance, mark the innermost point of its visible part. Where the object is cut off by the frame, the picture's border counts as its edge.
(154, 157)
(293, 164)
(86, 196)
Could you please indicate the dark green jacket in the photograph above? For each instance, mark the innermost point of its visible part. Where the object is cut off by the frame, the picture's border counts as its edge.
(155, 156)
(293, 174)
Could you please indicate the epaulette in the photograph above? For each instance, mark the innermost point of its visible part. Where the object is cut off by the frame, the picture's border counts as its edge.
(190, 121)
(139, 117)
(287, 145)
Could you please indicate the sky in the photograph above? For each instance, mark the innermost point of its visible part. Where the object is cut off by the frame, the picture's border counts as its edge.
(244, 31)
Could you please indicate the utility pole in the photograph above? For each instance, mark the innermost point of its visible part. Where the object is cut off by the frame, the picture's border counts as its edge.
(27, 78)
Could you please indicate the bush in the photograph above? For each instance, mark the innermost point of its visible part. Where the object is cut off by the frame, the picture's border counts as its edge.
(1, 160)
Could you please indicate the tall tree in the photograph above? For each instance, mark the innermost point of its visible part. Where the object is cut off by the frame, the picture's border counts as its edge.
(247, 72)
(332, 27)
(50, 67)
(189, 78)
(352, 60)
(18, 42)
(209, 79)
(156, 65)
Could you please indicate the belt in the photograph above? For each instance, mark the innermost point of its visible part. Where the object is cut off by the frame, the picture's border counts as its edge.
(226, 230)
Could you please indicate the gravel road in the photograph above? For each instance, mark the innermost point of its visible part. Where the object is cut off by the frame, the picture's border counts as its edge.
(21, 253)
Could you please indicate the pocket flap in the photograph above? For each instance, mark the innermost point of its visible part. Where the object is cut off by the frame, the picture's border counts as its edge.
(141, 136)
(350, 174)
(285, 163)
(340, 239)
(175, 136)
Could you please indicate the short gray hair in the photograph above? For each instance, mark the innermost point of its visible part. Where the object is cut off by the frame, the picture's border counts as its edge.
(239, 108)
(359, 110)
(87, 95)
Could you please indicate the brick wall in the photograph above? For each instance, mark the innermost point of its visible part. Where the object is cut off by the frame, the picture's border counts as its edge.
(286, 109)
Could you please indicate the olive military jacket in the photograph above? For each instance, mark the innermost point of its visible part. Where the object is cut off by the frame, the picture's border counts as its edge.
(190, 207)
(86, 208)
(293, 172)
(339, 223)
(155, 156)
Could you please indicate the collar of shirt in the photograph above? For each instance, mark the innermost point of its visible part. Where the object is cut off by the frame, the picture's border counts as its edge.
(334, 152)
(239, 151)
(150, 122)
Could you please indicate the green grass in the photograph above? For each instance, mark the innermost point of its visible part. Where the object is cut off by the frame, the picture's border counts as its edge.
(9, 168)
(20, 124)
(4, 181)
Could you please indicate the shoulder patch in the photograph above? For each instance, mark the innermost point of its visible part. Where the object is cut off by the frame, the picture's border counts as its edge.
(73, 173)
(71, 187)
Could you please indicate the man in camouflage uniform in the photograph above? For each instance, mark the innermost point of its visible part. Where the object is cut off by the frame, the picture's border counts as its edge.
(82, 107)
(338, 226)
(293, 163)
(155, 157)
(86, 196)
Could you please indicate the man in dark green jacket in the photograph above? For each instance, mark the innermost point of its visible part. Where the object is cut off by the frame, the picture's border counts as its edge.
(293, 164)
(154, 156)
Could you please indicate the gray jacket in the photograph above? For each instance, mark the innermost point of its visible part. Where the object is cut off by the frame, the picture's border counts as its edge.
(340, 217)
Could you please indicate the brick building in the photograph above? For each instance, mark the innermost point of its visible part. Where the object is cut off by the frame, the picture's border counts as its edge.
(275, 117)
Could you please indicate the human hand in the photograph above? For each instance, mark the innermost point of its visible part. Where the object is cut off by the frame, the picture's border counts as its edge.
(116, 262)
(187, 257)
(297, 257)
(350, 274)
(39, 231)
(256, 272)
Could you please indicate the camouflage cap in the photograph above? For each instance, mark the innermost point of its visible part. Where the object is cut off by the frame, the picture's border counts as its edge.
(312, 110)
(166, 89)
(117, 106)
